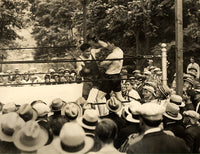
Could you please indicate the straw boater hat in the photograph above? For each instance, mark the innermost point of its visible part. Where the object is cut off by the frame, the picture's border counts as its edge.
(72, 140)
(133, 115)
(10, 123)
(113, 104)
(164, 89)
(176, 99)
(27, 113)
(172, 112)
(31, 137)
(72, 108)
(189, 80)
(57, 104)
(89, 120)
(42, 109)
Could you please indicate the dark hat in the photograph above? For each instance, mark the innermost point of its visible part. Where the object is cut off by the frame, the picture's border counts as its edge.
(57, 104)
(113, 104)
(27, 113)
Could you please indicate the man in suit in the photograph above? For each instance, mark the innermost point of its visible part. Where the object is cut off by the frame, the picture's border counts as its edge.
(154, 139)
(192, 131)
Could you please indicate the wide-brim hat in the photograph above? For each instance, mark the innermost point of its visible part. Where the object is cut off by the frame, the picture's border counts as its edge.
(89, 143)
(130, 116)
(115, 107)
(179, 116)
(86, 124)
(78, 108)
(57, 104)
(39, 142)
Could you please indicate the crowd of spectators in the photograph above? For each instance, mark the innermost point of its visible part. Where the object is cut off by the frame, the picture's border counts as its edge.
(153, 119)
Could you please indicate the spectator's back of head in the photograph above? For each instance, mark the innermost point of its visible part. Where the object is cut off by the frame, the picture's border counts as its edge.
(106, 130)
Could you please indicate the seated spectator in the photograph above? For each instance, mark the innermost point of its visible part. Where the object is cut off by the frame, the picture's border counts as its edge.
(30, 137)
(72, 139)
(47, 79)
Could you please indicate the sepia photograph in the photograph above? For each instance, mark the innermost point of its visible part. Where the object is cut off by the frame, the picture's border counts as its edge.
(99, 76)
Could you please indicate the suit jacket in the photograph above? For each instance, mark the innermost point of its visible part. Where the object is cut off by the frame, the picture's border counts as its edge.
(176, 128)
(192, 138)
(124, 133)
(159, 142)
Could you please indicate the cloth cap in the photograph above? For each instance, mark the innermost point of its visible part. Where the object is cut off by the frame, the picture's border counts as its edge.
(151, 111)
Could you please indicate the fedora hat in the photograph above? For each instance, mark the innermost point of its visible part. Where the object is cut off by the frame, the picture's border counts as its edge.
(37, 102)
(71, 110)
(57, 104)
(89, 120)
(176, 99)
(113, 104)
(10, 123)
(27, 113)
(9, 107)
(31, 137)
(72, 140)
(172, 112)
(41, 108)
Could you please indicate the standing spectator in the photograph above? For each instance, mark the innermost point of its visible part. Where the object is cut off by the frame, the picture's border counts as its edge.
(193, 66)
(131, 94)
(150, 120)
(106, 131)
(192, 131)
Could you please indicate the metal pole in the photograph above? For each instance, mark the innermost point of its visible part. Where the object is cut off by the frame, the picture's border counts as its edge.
(164, 64)
(179, 46)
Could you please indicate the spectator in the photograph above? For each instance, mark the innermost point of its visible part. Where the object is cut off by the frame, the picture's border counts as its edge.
(9, 107)
(150, 119)
(9, 124)
(72, 139)
(30, 137)
(106, 131)
(172, 120)
(193, 66)
(148, 94)
(192, 131)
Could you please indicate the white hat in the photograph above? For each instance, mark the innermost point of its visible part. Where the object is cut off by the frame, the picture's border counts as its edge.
(192, 114)
(9, 107)
(176, 99)
(9, 123)
(172, 112)
(151, 111)
(71, 110)
(41, 108)
(89, 119)
(31, 137)
(132, 111)
(72, 140)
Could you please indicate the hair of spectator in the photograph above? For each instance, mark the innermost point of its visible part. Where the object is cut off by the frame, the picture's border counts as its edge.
(151, 123)
(106, 130)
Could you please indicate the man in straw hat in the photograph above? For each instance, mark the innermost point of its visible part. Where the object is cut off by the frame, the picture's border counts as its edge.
(192, 131)
(193, 65)
(72, 139)
(9, 124)
(31, 137)
(172, 120)
(151, 115)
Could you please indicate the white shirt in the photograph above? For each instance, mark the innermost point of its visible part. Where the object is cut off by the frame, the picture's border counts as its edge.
(196, 66)
(152, 130)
